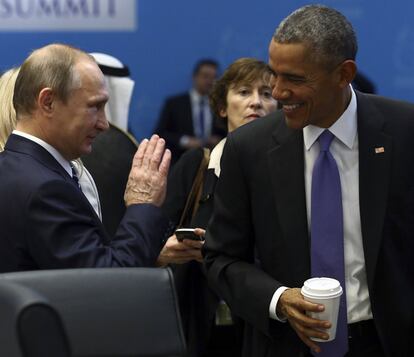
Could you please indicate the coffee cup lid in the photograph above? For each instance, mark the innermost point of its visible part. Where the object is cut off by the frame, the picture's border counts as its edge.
(322, 288)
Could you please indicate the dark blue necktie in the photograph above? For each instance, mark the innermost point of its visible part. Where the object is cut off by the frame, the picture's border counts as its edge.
(201, 118)
(75, 177)
(327, 236)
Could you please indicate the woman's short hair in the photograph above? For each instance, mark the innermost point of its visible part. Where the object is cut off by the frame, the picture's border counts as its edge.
(243, 71)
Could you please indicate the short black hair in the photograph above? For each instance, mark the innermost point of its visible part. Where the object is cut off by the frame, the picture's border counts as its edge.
(204, 62)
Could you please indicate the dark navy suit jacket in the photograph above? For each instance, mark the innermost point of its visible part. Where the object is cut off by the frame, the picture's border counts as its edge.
(258, 239)
(47, 223)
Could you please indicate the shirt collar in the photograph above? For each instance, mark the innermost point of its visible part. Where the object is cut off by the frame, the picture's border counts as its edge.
(344, 129)
(49, 148)
(215, 157)
(196, 97)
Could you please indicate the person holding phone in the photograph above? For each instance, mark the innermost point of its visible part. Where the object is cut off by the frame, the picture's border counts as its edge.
(240, 96)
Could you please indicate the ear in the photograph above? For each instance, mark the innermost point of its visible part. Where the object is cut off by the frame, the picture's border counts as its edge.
(45, 100)
(223, 113)
(347, 72)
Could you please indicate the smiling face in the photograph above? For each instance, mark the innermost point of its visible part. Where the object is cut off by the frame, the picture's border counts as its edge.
(247, 102)
(81, 118)
(308, 92)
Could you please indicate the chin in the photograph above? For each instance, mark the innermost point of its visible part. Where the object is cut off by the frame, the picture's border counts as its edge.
(295, 124)
(86, 150)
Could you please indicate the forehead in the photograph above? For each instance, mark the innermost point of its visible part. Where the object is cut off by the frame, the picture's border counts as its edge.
(91, 78)
(206, 69)
(291, 58)
(255, 83)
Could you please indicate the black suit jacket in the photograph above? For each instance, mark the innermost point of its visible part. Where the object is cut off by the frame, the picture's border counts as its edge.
(46, 222)
(176, 120)
(258, 238)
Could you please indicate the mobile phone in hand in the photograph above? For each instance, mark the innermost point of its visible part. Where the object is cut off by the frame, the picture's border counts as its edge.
(187, 233)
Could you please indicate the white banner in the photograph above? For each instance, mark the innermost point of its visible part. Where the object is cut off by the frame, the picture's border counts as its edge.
(68, 15)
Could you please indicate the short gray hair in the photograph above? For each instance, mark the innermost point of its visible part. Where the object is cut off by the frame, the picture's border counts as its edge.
(50, 66)
(329, 36)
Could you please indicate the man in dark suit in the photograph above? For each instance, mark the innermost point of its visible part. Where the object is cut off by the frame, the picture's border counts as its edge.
(186, 120)
(261, 242)
(46, 221)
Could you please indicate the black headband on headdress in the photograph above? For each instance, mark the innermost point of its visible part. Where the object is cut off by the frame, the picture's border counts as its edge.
(113, 71)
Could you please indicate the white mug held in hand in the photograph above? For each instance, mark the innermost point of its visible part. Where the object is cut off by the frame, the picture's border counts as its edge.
(325, 291)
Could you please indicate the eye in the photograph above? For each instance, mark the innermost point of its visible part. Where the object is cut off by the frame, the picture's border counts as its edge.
(293, 79)
(267, 93)
(243, 92)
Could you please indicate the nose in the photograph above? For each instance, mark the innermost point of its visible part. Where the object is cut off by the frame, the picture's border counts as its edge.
(102, 123)
(256, 100)
(280, 91)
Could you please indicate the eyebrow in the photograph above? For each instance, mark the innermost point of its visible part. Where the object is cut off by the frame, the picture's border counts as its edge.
(100, 98)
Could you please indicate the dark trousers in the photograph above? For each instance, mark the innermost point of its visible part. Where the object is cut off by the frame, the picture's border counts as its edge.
(363, 340)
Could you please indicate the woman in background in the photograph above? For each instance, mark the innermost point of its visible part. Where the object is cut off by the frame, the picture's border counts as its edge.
(241, 95)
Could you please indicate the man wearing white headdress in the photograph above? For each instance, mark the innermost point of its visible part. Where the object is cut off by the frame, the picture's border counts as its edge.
(120, 85)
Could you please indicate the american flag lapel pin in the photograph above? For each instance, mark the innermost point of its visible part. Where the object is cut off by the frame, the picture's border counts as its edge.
(379, 150)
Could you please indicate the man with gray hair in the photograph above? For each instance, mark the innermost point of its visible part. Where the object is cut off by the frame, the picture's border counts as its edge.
(47, 222)
(322, 188)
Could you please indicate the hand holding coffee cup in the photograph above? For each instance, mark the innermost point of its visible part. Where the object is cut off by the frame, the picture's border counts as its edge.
(294, 308)
(325, 291)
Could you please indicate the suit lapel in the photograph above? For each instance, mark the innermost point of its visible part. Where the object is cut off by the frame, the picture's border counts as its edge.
(286, 165)
(28, 147)
(375, 149)
(37, 152)
(25, 146)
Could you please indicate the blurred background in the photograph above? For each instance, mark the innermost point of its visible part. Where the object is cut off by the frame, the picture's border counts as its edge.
(160, 40)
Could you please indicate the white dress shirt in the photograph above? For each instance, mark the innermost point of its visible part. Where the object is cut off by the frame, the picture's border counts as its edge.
(86, 181)
(344, 149)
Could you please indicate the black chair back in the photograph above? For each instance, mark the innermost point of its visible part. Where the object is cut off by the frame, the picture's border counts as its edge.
(111, 311)
(29, 325)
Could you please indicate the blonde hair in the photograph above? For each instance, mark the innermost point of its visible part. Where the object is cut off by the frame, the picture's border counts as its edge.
(7, 112)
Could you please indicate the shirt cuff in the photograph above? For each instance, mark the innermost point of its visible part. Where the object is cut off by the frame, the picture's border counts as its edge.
(273, 304)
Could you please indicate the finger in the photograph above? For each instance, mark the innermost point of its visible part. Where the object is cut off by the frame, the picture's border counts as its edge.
(193, 243)
(310, 331)
(165, 163)
(301, 318)
(178, 246)
(157, 155)
(149, 151)
(311, 344)
(200, 231)
(310, 306)
(183, 258)
(195, 254)
(139, 155)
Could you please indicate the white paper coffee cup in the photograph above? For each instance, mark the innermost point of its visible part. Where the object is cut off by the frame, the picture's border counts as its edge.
(325, 291)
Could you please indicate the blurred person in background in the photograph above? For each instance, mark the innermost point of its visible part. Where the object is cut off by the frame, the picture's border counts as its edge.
(241, 95)
(186, 120)
(120, 87)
